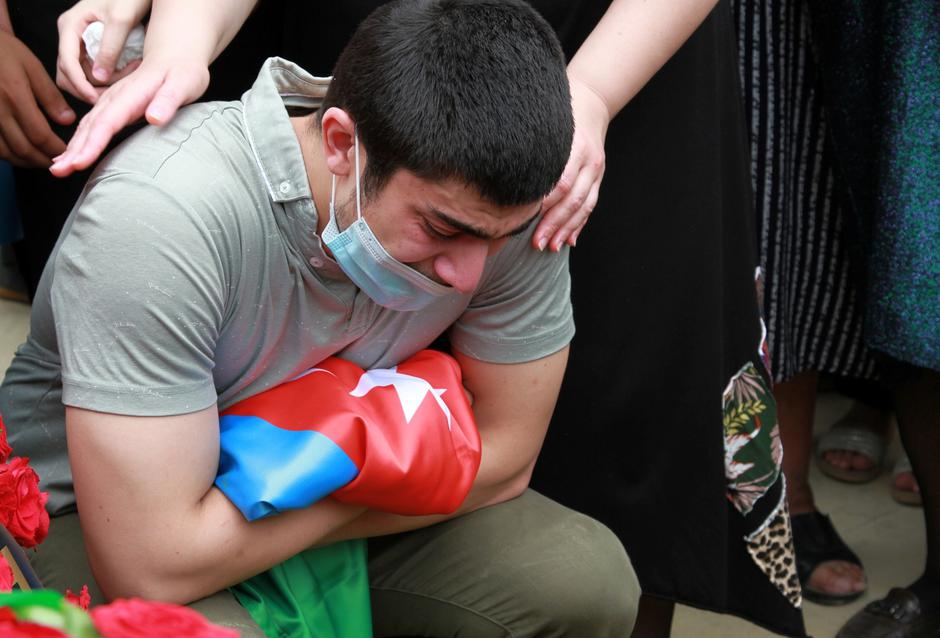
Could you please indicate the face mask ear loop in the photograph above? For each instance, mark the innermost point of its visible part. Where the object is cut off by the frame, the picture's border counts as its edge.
(333, 196)
(356, 155)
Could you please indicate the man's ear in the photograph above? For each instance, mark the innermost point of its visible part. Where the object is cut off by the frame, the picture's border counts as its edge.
(337, 136)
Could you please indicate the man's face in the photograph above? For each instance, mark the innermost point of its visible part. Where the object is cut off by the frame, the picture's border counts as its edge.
(444, 230)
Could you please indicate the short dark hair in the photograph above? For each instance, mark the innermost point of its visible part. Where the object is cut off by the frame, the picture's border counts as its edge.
(472, 90)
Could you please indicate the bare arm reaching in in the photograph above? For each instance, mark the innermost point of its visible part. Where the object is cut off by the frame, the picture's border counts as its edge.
(627, 47)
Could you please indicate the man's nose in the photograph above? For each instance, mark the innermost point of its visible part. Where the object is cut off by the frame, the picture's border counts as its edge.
(461, 265)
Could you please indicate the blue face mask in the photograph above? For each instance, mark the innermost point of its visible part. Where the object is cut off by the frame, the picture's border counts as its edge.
(387, 281)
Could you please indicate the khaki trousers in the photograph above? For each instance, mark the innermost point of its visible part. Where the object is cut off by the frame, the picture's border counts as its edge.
(527, 567)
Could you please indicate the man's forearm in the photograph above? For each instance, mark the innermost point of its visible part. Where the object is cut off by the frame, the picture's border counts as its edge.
(196, 552)
(484, 493)
(199, 550)
(155, 526)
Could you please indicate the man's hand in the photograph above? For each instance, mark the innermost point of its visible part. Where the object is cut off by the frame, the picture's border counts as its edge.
(156, 89)
(26, 90)
(567, 208)
(75, 73)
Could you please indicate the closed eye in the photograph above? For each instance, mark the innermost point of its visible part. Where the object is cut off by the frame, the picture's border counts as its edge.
(437, 234)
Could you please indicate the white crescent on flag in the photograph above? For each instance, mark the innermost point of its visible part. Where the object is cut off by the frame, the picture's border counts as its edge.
(411, 390)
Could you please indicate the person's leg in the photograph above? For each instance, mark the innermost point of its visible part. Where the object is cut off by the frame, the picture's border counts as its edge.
(917, 405)
(796, 403)
(912, 611)
(527, 567)
(654, 618)
(61, 562)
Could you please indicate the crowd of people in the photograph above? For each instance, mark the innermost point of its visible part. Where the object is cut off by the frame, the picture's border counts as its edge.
(643, 231)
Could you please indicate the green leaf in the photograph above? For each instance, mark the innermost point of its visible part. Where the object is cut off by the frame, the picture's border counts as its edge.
(49, 608)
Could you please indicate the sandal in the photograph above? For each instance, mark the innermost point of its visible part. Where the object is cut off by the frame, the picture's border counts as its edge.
(816, 541)
(904, 497)
(852, 433)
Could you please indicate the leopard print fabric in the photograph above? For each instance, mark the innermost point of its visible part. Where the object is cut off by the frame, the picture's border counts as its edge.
(771, 548)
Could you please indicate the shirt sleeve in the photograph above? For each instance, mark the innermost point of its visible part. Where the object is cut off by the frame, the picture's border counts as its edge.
(138, 301)
(522, 309)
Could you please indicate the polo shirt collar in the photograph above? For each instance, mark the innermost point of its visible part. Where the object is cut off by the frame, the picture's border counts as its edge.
(280, 84)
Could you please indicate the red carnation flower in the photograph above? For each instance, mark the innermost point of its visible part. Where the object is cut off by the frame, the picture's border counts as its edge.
(12, 628)
(6, 576)
(5, 448)
(82, 600)
(137, 618)
(22, 505)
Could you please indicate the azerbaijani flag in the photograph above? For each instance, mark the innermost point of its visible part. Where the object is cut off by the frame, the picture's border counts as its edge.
(401, 440)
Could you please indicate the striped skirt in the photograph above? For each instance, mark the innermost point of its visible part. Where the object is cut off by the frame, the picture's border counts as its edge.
(807, 237)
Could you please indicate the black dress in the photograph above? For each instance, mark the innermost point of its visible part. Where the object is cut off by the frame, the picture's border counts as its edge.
(665, 427)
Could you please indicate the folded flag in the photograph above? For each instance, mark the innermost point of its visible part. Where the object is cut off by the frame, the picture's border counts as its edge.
(401, 440)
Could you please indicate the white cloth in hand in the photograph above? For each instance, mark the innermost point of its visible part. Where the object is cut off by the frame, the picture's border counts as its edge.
(133, 47)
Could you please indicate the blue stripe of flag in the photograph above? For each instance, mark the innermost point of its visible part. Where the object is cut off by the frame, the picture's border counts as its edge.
(264, 469)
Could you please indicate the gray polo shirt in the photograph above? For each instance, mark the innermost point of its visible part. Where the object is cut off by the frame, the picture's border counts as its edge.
(190, 273)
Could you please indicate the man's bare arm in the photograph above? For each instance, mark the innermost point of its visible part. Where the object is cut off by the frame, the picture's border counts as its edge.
(154, 526)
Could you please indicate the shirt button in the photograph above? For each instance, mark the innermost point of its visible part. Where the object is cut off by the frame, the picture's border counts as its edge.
(316, 262)
(284, 187)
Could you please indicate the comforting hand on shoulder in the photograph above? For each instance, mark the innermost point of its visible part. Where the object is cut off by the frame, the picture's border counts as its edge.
(155, 90)
(568, 206)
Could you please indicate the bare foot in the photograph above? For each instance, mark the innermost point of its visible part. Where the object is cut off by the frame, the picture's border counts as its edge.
(846, 460)
(906, 482)
(837, 578)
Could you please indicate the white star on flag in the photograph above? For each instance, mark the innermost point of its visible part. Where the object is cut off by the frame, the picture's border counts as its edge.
(410, 389)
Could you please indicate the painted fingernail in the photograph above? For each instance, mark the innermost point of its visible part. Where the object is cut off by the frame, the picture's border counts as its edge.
(99, 73)
(542, 243)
